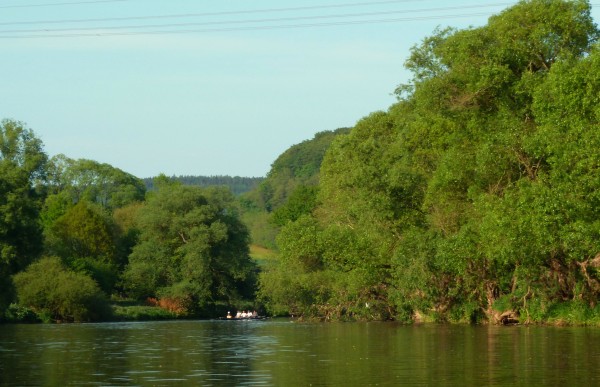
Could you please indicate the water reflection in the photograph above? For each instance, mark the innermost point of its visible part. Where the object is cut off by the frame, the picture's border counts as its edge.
(279, 352)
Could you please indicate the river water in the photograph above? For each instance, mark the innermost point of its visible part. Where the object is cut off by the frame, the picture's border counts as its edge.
(285, 353)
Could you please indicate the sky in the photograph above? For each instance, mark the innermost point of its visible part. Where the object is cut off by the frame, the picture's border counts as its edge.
(202, 87)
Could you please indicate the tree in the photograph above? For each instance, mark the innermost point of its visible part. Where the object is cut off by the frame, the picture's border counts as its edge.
(301, 202)
(59, 294)
(82, 179)
(87, 240)
(193, 250)
(22, 172)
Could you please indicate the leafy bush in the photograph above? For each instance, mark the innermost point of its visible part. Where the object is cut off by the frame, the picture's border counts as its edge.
(20, 314)
(574, 312)
(104, 273)
(48, 288)
(503, 303)
(140, 312)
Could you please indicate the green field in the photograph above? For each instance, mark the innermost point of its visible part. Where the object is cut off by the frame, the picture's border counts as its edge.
(262, 255)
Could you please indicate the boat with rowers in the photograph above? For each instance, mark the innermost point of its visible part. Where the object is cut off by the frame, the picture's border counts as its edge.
(244, 316)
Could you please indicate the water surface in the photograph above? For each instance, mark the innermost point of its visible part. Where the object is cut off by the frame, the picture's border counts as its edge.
(284, 353)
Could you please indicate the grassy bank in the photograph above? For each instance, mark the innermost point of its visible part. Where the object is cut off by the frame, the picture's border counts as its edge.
(262, 255)
(134, 311)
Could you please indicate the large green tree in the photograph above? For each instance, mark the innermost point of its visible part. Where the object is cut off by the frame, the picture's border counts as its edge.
(22, 162)
(88, 241)
(193, 250)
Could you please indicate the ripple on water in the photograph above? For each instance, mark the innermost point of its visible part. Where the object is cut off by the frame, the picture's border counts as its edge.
(141, 372)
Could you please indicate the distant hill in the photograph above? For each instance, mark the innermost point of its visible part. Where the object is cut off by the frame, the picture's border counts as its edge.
(237, 184)
(294, 172)
(298, 166)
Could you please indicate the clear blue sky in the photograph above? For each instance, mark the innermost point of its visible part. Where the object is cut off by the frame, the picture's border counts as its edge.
(207, 87)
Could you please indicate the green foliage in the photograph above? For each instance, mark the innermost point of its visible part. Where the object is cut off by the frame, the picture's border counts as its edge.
(297, 166)
(126, 229)
(573, 312)
(289, 190)
(491, 196)
(238, 185)
(48, 288)
(20, 314)
(77, 217)
(83, 231)
(85, 237)
(88, 180)
(22, 167)
(193, 249)
(301, 202)
(478, 190)
(141, 313)
(262, 230)
(329, 273)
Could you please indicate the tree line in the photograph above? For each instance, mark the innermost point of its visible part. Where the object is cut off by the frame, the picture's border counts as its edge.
(473, 198)
(75, 232)
(237, 184)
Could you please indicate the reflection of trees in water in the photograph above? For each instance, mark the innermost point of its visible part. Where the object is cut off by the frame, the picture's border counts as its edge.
(284, 353)
(60, 354)
(237, 347)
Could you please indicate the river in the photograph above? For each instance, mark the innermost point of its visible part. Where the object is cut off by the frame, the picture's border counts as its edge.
(285, 353)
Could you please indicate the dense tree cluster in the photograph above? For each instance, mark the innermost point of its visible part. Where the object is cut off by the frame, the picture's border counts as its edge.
(74, 232)
(475, 197)
(192, 250)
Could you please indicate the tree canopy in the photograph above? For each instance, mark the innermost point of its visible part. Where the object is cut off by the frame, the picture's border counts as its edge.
(474, 195)
(193, 250)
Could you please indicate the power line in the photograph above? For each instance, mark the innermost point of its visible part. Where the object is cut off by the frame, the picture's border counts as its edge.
(287, 19)
(102, 31)
(268, 27)
(57, 4)
(203, 14)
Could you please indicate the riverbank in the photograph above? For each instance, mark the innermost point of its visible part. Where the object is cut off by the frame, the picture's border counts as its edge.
(568, 313)
(134, 311)
(119, 311)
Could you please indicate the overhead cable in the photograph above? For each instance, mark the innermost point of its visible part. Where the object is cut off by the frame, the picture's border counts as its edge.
(220, 13)
(251, 21)
(64, 3)
(266, 27)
